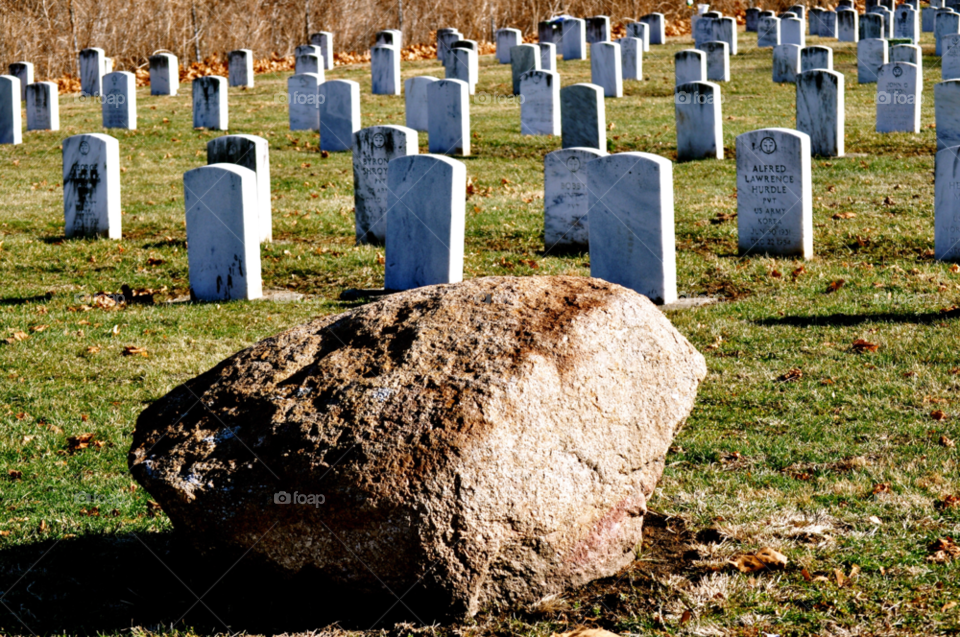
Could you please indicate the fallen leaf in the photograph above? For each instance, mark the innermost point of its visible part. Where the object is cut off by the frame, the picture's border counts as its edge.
(938, 415)
(861, 346)
(82, 441)
(765, 558)
(133, 350)
(792, 375)
(943, 550)
(93, 349)
(836, 285)
(845, 215)
(882, 487)
(13, 474)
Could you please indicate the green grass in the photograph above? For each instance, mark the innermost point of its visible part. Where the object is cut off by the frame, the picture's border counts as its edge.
(791, 465)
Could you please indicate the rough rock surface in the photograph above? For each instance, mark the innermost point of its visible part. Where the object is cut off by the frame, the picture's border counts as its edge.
(493, 441)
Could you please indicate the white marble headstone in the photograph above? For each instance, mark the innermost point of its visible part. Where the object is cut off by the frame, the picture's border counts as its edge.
(641, 31)
(119, 100)
(690, 65)
(768, 32)
(91, 186)
(548, 56)
(816, 57)
(718, 61)
(449, 117)
(373, 149)
(946, 245)
(43, 106)
(774, 193)
(506, 40)
(416, 103)
(727, 32)
(657, 25)
(828, 24)
(598, 29)
(223, 227)
(324, 40)
(605, 68)
(426, 208)
(210, 103)
(820, 111)
(385, 70)
(898, 98)
(871, 55)
(583, 117)
(632, 240)
(253, 153)
(907, 53)
(164, 74)
(631, 58)
(302, 101)
(574, 43)
(792, 32)
(786, 63)
(339, 104)
(240, 67)
(848, 26)
(565, 200)
(390, 37)
(11, 125)
(308, 63)
(946, 108)
(463, 66)
(540, 106)
(950, 60)
(523, 58)
(91, 71)
(906, 23)
(699, 121)
(947, 23)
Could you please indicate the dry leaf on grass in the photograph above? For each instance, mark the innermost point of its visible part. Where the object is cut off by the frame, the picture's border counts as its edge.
(845, 215)
(861, 346)
(943, 550)
(16, 336)
(792, 375)
(83, 441)
(133, 350)
(836, 285)
(938, 415)
(583, 631)
(764, 559)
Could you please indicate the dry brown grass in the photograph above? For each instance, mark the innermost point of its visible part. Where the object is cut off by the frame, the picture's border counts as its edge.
(49, 33)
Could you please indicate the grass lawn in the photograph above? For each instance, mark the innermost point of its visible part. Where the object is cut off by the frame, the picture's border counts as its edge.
(840, 457)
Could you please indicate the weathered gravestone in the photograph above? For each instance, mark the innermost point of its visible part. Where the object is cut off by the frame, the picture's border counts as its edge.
(548, 56)
(828, 24)
(907, 53)
(848, 26)
(699, 121)
(631, 58)
(727, 32)
(540, 106)
(606, 69)
(820, 111)
(302, 101)
(690, 65)
(752, 19)
(768, 32)
(463, 66)
(898, 98)
(447, 40)
(774, 193)
(523, 58)
(631, 223)
(416, 103)
(718, 61)
(946, 108)
(474, 71)
(786, 63)
(868, 24)
(119, 100)
(385, 70)
(657, 25)
(871, 55)
(906, 23)
(565, 200)
(390, 37)
(800, 11)
(210, 103)
(506, 40)
(11, 126)
(549, 31)
(927, 16)
(792, 32)
(426, 206)
(309, 63)
(23, 71)
(583, 117)
(946, 225)
(240, 68)
(223, 243)
(91, 71)
(816, 57)
(641, 31)
(308, 49)
(43, 106)
(91, 186)
(339, 103)
(324, 40)
(707, 30)
(449, 117)
(574, 45)
(373, 149)
(598, 29)
(164, 74)
(947, 23)
(813, 25)
(950, 61)
(253, 153)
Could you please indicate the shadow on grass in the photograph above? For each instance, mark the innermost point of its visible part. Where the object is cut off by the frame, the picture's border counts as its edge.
(23, 300)
(841, 320)
(107, 583)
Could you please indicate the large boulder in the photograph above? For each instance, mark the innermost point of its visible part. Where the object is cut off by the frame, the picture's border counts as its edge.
(493, 441)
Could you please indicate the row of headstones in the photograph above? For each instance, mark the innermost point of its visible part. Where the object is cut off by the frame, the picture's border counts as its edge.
(844, 24)
(872, 54)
